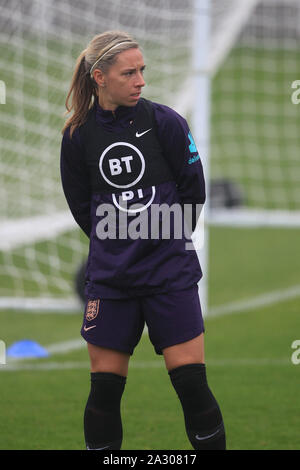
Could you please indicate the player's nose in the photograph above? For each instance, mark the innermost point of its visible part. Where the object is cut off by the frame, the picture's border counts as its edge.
(140, 80)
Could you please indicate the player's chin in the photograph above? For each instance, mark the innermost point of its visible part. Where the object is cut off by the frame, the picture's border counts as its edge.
(130, 100)
(133, 99)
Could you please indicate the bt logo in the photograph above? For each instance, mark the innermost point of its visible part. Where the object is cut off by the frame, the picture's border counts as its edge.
(115, 165)
(122, 165)
(124, 171)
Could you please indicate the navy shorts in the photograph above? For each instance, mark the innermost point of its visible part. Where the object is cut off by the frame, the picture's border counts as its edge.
(171, 318)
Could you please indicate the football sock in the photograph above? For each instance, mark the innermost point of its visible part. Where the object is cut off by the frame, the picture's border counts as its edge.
(102, 416)
(202, 415)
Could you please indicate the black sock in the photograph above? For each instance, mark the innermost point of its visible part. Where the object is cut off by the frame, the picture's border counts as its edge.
(102, 416)
(203, 419)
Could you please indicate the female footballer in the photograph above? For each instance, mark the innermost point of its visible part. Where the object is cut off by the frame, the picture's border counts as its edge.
(122, 156)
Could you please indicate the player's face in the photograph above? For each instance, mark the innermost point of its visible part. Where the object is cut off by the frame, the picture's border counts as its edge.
(123, 82)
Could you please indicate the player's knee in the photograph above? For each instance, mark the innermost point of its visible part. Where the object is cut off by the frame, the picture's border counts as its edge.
(203, 418)
(108, 360)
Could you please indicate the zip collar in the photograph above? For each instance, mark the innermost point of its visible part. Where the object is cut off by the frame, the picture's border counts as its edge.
(122, 117)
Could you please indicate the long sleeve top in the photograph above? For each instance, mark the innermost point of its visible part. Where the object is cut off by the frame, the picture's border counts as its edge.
(118, 269)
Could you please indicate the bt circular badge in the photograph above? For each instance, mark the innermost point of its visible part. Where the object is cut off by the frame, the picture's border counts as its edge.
(122, 165)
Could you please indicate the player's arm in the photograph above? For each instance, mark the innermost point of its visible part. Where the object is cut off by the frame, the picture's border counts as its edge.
(183, 158)
(75, 180)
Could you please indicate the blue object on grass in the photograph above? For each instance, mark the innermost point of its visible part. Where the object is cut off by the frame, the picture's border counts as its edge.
(26, 348)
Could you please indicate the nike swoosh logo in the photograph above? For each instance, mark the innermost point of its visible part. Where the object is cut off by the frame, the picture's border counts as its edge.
(206, 437)
(99, 448)
(142, 133)
(89, 328)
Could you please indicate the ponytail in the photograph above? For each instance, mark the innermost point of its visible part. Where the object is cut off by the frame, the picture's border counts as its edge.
(100, 53)
(81, 95)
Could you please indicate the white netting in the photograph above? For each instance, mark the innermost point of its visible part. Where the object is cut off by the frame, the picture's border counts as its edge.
(254, 137)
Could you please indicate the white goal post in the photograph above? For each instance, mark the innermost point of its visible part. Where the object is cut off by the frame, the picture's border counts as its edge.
(229, 66)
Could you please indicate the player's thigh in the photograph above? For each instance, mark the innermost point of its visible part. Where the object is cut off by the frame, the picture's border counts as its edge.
(189, 352)
(175, 326)
(108, 360)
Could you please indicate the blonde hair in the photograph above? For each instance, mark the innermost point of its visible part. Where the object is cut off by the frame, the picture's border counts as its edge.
(100, 54)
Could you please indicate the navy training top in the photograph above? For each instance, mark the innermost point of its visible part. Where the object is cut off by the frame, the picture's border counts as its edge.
(123, 268)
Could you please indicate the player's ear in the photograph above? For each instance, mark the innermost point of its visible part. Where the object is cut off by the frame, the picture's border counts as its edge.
(99, 78)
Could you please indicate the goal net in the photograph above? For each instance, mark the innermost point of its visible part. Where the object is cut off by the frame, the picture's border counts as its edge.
(254, 115)
(252, 63)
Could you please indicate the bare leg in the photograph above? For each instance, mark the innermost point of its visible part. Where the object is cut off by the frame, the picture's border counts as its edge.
(108, 360)
(190, 352)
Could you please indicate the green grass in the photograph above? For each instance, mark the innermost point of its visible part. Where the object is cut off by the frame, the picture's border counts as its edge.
(43, 409)
(248, 356)
(248, 262)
